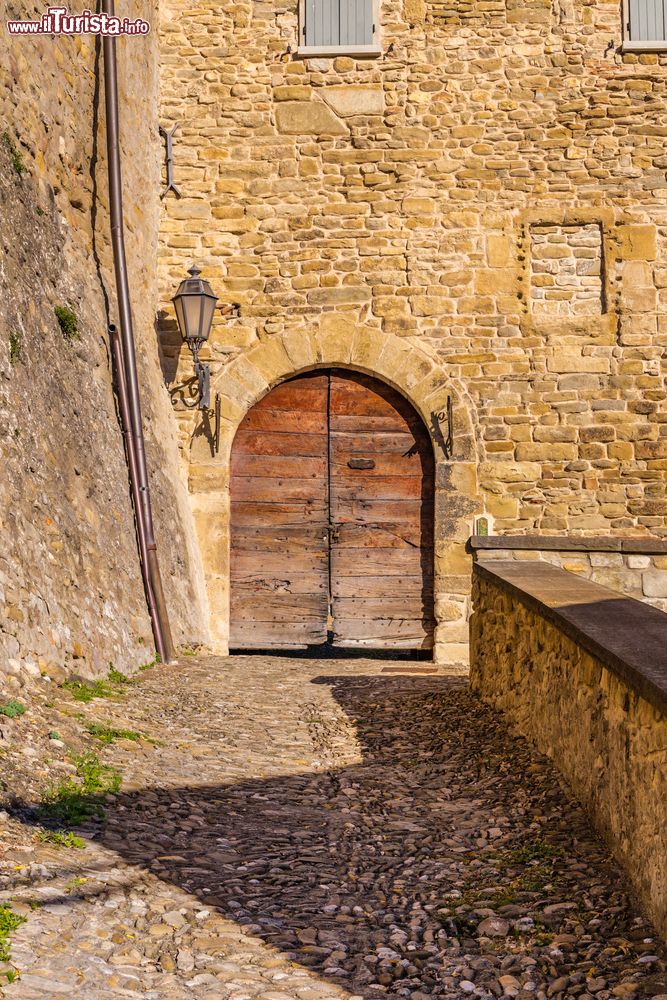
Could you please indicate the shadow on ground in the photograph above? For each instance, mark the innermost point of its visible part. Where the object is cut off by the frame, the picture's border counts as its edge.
(449, 851)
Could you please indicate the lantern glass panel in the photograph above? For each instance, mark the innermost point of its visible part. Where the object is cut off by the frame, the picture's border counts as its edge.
(192, 315)
(208, 311)
(178, 306)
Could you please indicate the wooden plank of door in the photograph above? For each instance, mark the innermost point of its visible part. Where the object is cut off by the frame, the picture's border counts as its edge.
(380, 535)
(306, 609)
(278, 443)
(264, 565)
(281, 513)
(265, 489)
(397, 608)
(303, 394)
(382, 633)
(269, 466)
(382, 518)
(348, 444)
(249, 588)
(275, 635)
(301, 422)
(361, 510)
(263, 538)
(382, 562)
(279, 564)
(379, 487)
(372, 586)
(385, 465)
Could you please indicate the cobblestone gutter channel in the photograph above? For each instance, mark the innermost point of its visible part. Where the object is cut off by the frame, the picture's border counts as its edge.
(310, 829)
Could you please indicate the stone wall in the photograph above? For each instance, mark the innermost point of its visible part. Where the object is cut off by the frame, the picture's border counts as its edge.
(71, 596)
(561, 658)
(635, 567)
(490, 194)
(566, 270)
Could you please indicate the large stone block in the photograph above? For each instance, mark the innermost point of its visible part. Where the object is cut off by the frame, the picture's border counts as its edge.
(574, 361)
(654, 583)
(638, 242)
(308, 118)
(509, 472)
(355, 99)
(292, 93)
(414, 11)
(344, 295)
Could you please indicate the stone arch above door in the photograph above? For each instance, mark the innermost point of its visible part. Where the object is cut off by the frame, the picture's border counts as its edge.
(408, 369)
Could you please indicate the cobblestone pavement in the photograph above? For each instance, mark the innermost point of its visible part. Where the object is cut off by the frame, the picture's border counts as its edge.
(310, 829)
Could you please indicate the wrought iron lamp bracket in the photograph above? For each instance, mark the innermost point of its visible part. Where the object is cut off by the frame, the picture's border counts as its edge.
(193, 401)
(203, 375)
(168, 137)
(446, 417)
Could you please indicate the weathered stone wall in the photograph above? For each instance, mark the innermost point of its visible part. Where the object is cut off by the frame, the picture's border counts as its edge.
(642, 575)
(70, 589)
(609, 742)
(566, 270)
(406, 199)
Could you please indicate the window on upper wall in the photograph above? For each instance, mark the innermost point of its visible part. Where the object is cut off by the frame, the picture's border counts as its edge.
(330, 27)
(645, 25)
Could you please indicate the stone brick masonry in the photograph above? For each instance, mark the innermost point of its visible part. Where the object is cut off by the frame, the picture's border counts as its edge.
(480, 213)
(485, 205)
(71, 597)
(605, 730)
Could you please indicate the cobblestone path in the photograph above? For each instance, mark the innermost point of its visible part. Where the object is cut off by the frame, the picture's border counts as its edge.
(311, 829)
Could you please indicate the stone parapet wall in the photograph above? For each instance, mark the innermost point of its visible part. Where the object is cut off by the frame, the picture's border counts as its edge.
(71, 595)
(634, 567)
(582, 673)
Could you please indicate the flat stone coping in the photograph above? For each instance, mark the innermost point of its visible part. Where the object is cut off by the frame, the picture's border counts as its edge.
(627, 636)
(565, 543)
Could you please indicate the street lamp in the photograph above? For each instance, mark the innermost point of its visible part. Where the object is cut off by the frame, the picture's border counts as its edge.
(195, 304)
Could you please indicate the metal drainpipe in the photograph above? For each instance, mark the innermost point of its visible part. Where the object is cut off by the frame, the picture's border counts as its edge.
(131, 454)
(136, 454)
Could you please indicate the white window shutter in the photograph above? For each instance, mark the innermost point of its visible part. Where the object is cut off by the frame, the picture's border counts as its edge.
(648, 20)
(331, 23)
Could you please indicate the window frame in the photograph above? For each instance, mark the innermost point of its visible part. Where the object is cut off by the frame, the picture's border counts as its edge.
(326, 51)
(629, 44)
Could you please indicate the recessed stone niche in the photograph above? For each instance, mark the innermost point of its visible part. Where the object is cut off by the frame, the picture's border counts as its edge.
(566, 265)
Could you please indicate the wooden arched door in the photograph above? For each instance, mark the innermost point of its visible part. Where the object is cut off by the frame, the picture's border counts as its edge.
(332, 491)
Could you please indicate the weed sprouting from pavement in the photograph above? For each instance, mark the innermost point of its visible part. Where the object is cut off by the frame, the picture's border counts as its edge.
(536, 850)
(13, 708)
(108, 734)
(152, 663)
(61, 838)
(72, 802)
(9, 921)
(112, 687)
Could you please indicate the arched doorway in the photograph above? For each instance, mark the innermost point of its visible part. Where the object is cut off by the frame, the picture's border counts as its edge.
(332, 487)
